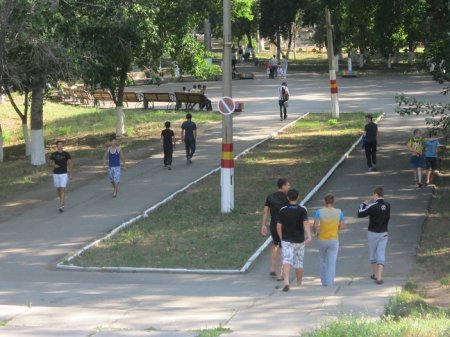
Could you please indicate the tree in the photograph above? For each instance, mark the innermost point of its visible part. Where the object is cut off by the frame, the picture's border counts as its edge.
(34, 56)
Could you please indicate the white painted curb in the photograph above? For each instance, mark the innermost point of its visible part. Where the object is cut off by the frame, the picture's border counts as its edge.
(63, 265)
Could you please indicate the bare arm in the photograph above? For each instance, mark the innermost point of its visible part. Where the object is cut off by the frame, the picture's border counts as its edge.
(279, 231)
(264, 219)
(70, 167)
(341, 225)
(104, 158)
(316, 225)
(123, 159)
(307, 229)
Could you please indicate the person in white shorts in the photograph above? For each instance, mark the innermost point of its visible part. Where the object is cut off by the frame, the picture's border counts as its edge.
(294, 231)
(62, 165)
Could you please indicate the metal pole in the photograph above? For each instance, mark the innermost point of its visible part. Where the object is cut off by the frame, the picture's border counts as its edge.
(330, 51)
(227, 159)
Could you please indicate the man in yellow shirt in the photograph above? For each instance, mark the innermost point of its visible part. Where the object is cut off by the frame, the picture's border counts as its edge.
(331, 220)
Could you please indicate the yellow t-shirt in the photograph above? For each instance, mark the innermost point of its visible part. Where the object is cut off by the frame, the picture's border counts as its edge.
(329, 222)
(417, 144)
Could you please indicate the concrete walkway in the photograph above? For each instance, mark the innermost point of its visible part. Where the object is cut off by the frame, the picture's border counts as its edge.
(38, 300)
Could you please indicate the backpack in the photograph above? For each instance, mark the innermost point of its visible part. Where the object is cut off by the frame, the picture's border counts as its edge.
(284, 94)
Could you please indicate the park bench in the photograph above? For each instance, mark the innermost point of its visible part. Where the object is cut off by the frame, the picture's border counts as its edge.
(153, 97)
(83, 97)
(132, 97)
(102, 96)
(246, 76)
(190, 99)
(68, 95)
(138, 77)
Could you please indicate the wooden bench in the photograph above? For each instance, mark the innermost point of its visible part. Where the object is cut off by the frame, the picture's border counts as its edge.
(152, 97)
(84, 97)
(138, 77)
(132, 97)
(190, 99)
(102, 96)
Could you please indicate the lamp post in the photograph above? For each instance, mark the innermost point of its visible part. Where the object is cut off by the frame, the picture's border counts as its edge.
(227, 157)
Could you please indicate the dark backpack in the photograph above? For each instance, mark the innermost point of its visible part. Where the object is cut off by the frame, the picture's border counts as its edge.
(284, 94)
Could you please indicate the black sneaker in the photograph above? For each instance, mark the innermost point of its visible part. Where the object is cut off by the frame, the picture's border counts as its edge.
(286, 288)
(169, 167)
(61, 209)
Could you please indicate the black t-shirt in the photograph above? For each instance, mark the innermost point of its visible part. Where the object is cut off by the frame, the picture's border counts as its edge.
(189, 127)
(291, 219)
(371, 132)
(275, 202)
(167, 135)
(60, 159)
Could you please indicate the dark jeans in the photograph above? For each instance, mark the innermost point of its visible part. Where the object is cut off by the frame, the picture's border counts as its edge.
(371, 153)
(168, 153)
(273, 71)
(190, 147)
(206, 104)
(282, 108)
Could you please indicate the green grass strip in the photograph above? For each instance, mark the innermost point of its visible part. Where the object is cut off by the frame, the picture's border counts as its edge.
(190, 231)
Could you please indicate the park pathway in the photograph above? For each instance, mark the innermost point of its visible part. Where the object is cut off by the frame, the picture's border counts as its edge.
(38, 300)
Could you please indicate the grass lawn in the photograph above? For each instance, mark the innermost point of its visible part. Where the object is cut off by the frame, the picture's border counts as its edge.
(85, 131)
(191, 232)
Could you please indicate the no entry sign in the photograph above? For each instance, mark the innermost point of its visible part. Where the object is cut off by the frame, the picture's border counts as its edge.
(226, 105)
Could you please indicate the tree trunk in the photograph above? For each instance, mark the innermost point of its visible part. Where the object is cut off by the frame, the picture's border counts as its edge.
(389, 62)
(37, 123)
(120, 123)
(249, 38)
(1, 144)
(411, 57)
(361, 60)
(278, 44)
(26, 138)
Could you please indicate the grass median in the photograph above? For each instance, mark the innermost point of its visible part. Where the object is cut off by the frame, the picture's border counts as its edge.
(191, 232)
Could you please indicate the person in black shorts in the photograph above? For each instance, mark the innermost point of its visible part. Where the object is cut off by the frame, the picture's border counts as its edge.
(168, 140)
(294, 231)
(371, 141)
(274, 202)
(62, 165)
(189, 136)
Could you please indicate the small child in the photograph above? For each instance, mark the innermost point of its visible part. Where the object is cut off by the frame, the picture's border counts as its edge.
(431, 148)
(115, 156)
(168, 140)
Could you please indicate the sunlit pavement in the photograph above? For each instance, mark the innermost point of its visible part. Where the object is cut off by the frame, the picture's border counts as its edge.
(38, 300)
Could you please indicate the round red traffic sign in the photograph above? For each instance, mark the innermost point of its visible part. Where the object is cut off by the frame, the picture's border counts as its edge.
(226, 105)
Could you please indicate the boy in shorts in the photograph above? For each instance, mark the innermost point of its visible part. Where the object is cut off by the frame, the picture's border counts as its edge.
(294, 231)
(62, 164)
(274, 202)
(431, 149)
(115, 156)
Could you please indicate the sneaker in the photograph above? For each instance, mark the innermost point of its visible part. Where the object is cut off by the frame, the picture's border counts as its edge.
(61, 209)
(379, 282)
(272, 273)
(169, 167)
(286, 288)
(419, 184)
(285, 116)
(370, 169)
(373, 277)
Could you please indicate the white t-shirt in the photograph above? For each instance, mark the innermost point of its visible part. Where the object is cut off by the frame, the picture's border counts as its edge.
(280, 92)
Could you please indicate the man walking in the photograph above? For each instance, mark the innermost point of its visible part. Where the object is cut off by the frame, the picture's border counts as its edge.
(294, 232)
(274, 202)
(189, 136)
(379, 212)
(330, 220)
(168, 140)
(283, 98)
(62, 165)
(273, 66)
(371, 141)
(284, 66)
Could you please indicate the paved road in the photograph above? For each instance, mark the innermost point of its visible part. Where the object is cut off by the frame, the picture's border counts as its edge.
(38, 300)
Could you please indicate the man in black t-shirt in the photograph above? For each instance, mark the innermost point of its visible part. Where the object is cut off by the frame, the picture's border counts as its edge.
(371, 141)
(168, 139)
(274, 202)
(189, 136)
(292, 226)
(62, 165)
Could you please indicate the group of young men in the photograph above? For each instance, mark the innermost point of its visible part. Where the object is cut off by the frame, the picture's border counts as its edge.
(114, 158)
(291, 231)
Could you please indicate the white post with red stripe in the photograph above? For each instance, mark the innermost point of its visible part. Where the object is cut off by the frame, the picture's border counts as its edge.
(330, 51)
(226, 107)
